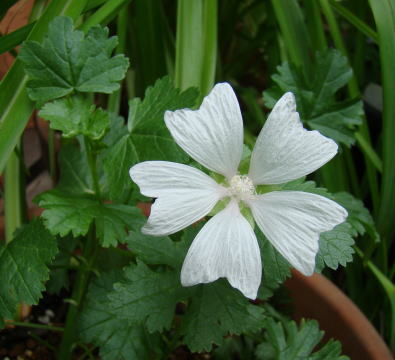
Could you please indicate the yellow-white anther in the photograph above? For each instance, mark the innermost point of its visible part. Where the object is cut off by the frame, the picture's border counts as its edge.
(241, 187)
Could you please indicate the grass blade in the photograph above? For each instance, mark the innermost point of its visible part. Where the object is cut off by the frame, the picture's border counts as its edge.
(384, 14)
(10, 41)
(196, 44)
(355, 20)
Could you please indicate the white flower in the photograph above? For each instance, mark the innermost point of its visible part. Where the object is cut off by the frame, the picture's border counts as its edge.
(226, 246)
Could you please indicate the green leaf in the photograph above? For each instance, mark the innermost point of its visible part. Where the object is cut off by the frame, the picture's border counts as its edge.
(147, 296)
(59, 277)
(117, 338)
(124, 155)
(216, 310)
(75, 115)
(147, 116)
(75, 177)
(285, 341)
(275, 268)
(315, 95)
(149, 138)
(67, 60)
(23, 267)
(112, 221)
(335, 247)
(358, 215)
(68, 213)
(339, 123)
(157, 250)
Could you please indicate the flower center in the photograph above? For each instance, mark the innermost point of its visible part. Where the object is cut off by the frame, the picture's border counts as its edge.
(241, 187)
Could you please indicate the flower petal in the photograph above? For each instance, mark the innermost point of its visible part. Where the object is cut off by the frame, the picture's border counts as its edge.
(284, 150)
(225, 247)
(293, 220)
(212, 135)
(184, 195)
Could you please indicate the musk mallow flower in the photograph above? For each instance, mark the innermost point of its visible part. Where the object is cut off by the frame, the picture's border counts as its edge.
(226, 246)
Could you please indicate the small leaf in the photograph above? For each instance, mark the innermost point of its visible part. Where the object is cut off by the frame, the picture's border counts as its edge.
(117, 338)
(216, 310)
(147, 296)
(23, 267)
(285, 341)
(75, 115)
(68, 60)
(335, 247)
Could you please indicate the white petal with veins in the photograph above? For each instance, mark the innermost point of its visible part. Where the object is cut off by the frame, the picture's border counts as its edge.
(293, 220)
(184, 195)
(212, 135)
(225, 247)
(284, 150)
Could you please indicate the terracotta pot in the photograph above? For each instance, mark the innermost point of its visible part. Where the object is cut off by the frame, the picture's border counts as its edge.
(315, 297)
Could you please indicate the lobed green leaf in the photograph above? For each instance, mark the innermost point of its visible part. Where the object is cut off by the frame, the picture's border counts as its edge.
(23, 267)
(286, 341)
(69, 61)
(315, 95)
(117, 338)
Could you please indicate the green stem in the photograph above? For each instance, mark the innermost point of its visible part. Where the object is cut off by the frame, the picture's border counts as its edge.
(80, 286)
(389, 289)
(92, 166)
(35, 326)
(84, 273)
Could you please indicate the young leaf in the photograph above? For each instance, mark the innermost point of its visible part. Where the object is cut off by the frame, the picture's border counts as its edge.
(285, 341)
(23, 266)
(147, 296)
(65, 213)
(68, 61)
(335, 247)
(75, 115)
(216, 310)
(314, 94)
(149, 138)
(117, 338)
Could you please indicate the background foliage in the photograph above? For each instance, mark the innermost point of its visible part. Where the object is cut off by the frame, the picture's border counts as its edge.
(106, 89)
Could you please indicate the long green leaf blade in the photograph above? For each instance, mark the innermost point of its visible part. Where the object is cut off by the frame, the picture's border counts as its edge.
(384, 14)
